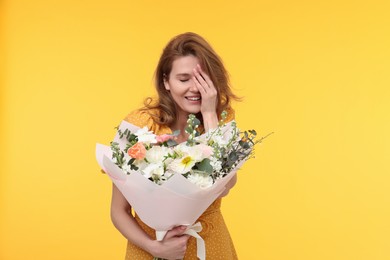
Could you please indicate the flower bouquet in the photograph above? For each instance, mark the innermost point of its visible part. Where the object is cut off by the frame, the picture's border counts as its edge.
(170, 184)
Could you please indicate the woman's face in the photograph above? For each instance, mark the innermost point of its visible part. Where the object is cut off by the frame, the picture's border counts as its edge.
(182, 87)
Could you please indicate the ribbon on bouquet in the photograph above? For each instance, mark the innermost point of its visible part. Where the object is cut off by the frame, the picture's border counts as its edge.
(192, 230)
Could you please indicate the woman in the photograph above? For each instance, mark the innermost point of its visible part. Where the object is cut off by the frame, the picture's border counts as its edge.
(190, 78)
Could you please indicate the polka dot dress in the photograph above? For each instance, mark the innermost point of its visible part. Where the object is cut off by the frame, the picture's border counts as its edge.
(215, 234)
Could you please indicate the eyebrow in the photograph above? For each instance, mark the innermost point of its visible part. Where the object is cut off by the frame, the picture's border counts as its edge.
(183, 75)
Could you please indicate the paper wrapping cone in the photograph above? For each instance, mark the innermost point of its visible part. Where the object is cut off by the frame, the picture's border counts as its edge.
(162, 207)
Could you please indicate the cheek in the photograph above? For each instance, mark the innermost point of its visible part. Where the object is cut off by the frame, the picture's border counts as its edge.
(178, 88)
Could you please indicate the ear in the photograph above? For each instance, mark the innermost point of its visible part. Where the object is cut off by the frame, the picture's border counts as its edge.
(166, 83)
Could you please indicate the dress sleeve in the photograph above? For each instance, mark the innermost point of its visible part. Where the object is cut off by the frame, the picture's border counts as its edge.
(140, 118)
(143, 118)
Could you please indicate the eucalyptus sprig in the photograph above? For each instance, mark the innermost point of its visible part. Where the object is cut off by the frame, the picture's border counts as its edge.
(118, 155)
(130, 137)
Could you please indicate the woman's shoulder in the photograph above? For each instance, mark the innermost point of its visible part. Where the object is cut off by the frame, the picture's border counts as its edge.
(144, 117)
(141, 117)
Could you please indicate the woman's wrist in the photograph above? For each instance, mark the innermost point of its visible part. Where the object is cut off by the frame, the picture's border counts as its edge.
(210, 120)
(153, 247)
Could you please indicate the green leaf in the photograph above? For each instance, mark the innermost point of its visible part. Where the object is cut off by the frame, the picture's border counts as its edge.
(188, 130)
(131, 137)
(205, 166)
(233, 157)
(196, 121)
(244, 145)
(131, 161)
(171, 143)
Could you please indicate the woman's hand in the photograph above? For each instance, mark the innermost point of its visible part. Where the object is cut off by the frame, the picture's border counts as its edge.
(173, 246)
(209, 98)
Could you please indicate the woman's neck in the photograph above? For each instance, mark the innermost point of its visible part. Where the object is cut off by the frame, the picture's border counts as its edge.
(180, 124)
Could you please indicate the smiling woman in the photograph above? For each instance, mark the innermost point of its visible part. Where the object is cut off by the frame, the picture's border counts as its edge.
(188, 62)
(190, 79)
(181, 84)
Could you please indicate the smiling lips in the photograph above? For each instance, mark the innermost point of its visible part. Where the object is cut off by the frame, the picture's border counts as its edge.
(194, 98)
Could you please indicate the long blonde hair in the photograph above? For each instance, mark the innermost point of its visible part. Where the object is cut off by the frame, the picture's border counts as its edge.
(183, 45)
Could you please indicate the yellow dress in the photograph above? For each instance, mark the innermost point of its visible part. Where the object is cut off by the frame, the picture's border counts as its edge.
(215, 234)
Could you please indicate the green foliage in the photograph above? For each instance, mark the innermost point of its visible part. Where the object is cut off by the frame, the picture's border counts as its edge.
(205, 166)
(192, 124)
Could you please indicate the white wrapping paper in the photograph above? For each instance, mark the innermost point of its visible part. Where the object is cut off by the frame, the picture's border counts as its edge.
(162, 207)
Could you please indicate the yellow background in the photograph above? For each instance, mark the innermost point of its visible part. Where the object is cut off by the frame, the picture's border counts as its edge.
(315, 73)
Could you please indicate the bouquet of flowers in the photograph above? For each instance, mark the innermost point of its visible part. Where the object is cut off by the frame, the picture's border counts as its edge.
(154, 170)
(201, 159)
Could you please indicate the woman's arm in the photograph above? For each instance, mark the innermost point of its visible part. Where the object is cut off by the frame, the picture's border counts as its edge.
(123, 220)
(173, 246)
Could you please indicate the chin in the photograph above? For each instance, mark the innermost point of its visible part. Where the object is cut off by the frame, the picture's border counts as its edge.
(193, 110)
(190, 109)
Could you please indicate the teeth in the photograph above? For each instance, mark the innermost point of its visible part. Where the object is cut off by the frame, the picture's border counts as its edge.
(193, 98)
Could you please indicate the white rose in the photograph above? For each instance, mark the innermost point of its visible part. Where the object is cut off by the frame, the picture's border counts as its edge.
(153, 169)
(145, 136)
(156, 154)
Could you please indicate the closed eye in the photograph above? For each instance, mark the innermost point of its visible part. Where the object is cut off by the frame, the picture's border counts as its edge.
(184, 80)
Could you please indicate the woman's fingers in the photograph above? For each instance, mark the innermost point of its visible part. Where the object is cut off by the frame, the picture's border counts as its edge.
(200, 81)
(174, 244)
(205, 76)
(199, 87)
(206, 88)
(203, 81)
(177, 231)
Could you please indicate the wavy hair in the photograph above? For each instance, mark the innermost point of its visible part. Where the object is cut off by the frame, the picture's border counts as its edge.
(183, 45)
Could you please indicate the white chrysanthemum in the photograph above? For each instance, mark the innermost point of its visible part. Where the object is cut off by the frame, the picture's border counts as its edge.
(216, 164)
(153, 169)
(145, 136)
(156, 154)
(201, 180)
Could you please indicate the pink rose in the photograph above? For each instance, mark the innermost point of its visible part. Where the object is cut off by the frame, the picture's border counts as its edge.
(137, 151)
(207, 151)
(163, 138)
